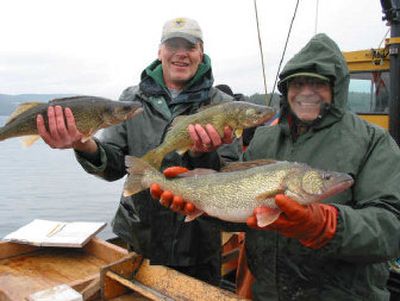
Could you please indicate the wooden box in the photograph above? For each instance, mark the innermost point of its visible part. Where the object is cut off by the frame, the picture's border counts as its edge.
(26, 269)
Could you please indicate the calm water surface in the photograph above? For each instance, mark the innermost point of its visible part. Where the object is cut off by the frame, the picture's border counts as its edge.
(40, 182)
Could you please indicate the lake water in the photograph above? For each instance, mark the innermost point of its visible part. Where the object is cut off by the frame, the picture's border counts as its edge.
(40, 182)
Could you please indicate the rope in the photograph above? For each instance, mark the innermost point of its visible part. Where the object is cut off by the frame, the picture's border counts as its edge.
(261, 50)
(384, 37)
(284, 51)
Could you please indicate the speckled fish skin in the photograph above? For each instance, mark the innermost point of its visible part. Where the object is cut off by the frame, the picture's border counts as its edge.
(236, 114)
(91, 113)
(232, 196)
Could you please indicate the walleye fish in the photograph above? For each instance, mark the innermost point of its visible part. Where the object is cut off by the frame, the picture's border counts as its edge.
(236, 114)
(91, 114)
(233, 195)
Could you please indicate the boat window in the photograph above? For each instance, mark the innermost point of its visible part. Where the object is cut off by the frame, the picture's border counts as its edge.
(369, 92)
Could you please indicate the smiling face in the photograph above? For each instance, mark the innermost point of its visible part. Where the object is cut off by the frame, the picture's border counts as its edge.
(306, 95)
(180, 60)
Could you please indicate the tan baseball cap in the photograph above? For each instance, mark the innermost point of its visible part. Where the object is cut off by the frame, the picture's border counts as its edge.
(185, 28)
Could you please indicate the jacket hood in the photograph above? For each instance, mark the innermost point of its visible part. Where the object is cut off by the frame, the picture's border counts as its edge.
(321, 55)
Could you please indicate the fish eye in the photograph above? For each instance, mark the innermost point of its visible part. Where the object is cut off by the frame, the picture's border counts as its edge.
(327, 176)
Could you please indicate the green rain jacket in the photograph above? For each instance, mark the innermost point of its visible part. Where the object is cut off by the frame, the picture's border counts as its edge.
(353, 265)
(149, 228)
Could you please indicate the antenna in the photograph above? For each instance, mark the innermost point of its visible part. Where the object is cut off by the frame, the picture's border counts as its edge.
(316, 17)
(261, 52)
(284, 51)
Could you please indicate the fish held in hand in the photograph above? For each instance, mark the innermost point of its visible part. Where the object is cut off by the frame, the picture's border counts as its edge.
(234, 194)
(236, 114)
(91, 114)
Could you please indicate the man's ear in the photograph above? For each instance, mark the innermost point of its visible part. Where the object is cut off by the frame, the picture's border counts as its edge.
(159, 54)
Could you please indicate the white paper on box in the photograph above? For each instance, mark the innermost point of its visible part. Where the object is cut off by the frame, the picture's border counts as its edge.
(45, 233)
(61, 292)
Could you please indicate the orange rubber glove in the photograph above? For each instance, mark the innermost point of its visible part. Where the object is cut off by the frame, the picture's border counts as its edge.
(167, 198)
(314, 225)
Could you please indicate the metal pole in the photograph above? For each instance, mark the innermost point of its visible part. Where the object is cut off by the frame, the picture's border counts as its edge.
(391, 8)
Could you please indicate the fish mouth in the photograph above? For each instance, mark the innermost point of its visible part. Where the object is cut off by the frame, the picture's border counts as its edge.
(264, 117)
(338, 187)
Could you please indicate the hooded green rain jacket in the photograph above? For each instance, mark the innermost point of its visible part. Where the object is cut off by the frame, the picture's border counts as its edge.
(151, 229)
(353, 265)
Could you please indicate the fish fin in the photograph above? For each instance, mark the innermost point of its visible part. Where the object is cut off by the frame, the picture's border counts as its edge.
(182, 151)
(136, 168)
(268, 217)
(27, 141)
(235, 166)
(176, 120)
(269, 194)
(212, 105)
(154, 158)
(238, 133)
(86, 137)
(22, 108)
(59, 101)
(193, 216)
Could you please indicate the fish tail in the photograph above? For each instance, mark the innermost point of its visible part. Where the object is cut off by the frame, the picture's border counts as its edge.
(154, 158)
(137, 169)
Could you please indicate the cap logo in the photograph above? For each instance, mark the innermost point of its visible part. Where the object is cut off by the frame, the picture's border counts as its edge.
(179, 23)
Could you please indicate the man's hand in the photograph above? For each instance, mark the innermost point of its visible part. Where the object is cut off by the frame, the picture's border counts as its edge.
(63, 132)
(314, 225)
(167, 198)
(206, 139)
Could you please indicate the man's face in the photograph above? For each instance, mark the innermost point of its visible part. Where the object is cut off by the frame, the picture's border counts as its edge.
(306, 95)
(180, 60)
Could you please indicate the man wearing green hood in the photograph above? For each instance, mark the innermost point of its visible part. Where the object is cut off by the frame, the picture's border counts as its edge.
(337, 249)
(179, 82)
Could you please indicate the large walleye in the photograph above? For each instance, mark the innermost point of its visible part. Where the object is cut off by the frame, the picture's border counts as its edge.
(233, 195)
(236, 114)
(91, 114)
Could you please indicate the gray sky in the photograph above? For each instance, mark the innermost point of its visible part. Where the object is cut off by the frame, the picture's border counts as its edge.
(98, 47)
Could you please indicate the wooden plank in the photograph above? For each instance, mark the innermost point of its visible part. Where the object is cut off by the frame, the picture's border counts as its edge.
(162, 280)
(179, 286)
(9, 249)
(110, 288)
(105, 250)
(136, 286)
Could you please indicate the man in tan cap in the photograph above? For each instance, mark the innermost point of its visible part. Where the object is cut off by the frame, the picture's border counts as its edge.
(179, 82)
(339, 248)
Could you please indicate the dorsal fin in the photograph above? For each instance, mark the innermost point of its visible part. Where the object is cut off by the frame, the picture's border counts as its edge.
(235, 166)
(21, 109)
(205, 107)
(69, 98)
